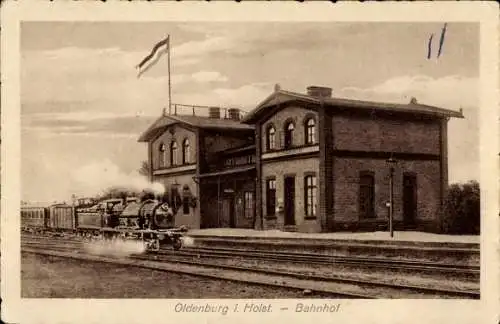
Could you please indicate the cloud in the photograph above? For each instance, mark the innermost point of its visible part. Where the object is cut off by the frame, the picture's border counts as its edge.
(209, 76)
(88, 83)
(103, 79)
(246, 97)
(451, 92)
(83, 124)
(200, 48)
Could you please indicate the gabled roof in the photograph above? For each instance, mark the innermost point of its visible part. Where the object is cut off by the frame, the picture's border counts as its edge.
(282, 96)
(163, 122)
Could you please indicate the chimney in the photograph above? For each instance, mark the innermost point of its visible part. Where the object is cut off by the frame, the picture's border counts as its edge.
(214, 112)
(319, 92)
(234, 114)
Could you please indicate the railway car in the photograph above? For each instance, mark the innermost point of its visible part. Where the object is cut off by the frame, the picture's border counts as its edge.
(61, 218)
(34, 218)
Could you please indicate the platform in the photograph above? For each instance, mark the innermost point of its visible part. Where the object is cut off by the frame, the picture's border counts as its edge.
(400, 236)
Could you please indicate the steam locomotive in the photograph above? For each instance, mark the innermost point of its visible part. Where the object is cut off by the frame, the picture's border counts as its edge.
(152, 221)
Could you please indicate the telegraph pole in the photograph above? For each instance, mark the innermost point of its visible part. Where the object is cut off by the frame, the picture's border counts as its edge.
(391, 163)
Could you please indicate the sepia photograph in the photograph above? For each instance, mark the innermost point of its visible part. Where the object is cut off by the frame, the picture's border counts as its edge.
(245, 160)
(252, 166)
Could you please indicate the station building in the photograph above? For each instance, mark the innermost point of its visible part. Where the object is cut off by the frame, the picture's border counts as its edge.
(305, 162)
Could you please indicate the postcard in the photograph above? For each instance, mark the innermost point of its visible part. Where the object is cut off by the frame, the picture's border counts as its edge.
(254, 161)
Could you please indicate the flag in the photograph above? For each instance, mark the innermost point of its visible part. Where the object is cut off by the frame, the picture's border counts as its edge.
(441, 40)
(157, 52)
(429, 47)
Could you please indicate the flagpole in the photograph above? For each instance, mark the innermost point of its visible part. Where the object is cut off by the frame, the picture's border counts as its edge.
(169, 83)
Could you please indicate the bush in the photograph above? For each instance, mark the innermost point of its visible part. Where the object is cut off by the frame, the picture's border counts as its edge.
(462, 209)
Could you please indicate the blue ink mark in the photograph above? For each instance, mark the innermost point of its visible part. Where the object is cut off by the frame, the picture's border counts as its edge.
(441, 41)
(429, 47)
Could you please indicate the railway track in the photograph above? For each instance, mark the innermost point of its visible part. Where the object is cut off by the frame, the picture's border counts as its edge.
(340, 286)
(207, 272)
(390, 290)
(384, 263)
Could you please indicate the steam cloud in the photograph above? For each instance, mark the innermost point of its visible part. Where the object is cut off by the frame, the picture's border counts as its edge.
(187, 241)
(115, 248)
(98, 176)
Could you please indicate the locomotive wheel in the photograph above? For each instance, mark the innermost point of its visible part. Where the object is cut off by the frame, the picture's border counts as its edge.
(177, 244)
(152, 245)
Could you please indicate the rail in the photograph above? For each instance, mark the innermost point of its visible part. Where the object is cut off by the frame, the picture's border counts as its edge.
(193, 110)
(333, 284)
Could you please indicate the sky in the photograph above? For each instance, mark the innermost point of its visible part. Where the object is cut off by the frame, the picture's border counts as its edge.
(83, 106)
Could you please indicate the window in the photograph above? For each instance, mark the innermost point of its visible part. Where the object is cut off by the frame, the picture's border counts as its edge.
(289, 128)
(248, 204)
(185, 205)
(311, 191)
(186, 152)
(162, 155)
(271, 197)
(271, 138)
(173, 154)
(366, 195)
(310, 131)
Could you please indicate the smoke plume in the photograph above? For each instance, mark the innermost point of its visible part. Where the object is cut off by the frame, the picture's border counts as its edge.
(115, 248)
(101, 175)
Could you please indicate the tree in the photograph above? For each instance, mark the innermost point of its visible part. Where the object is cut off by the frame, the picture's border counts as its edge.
(144, 169)
(462, 209)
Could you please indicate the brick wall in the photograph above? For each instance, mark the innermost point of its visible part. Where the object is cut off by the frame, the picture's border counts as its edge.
(298, 167)
(346, 192)
(192, 220)
(179, 135)
(377, 134)
(298, 116)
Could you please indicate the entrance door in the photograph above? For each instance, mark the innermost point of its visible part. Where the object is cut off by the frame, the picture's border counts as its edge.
(409, 198)
(227, 219)
(289, 200)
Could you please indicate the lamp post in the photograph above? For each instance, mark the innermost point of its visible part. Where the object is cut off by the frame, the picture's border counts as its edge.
(391, 162)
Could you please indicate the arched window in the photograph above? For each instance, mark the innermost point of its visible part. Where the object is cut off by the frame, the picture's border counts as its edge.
(186, 152)
(310, 126)
(289, 128)
(162, 155)
(271, 138)
(173, 153)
